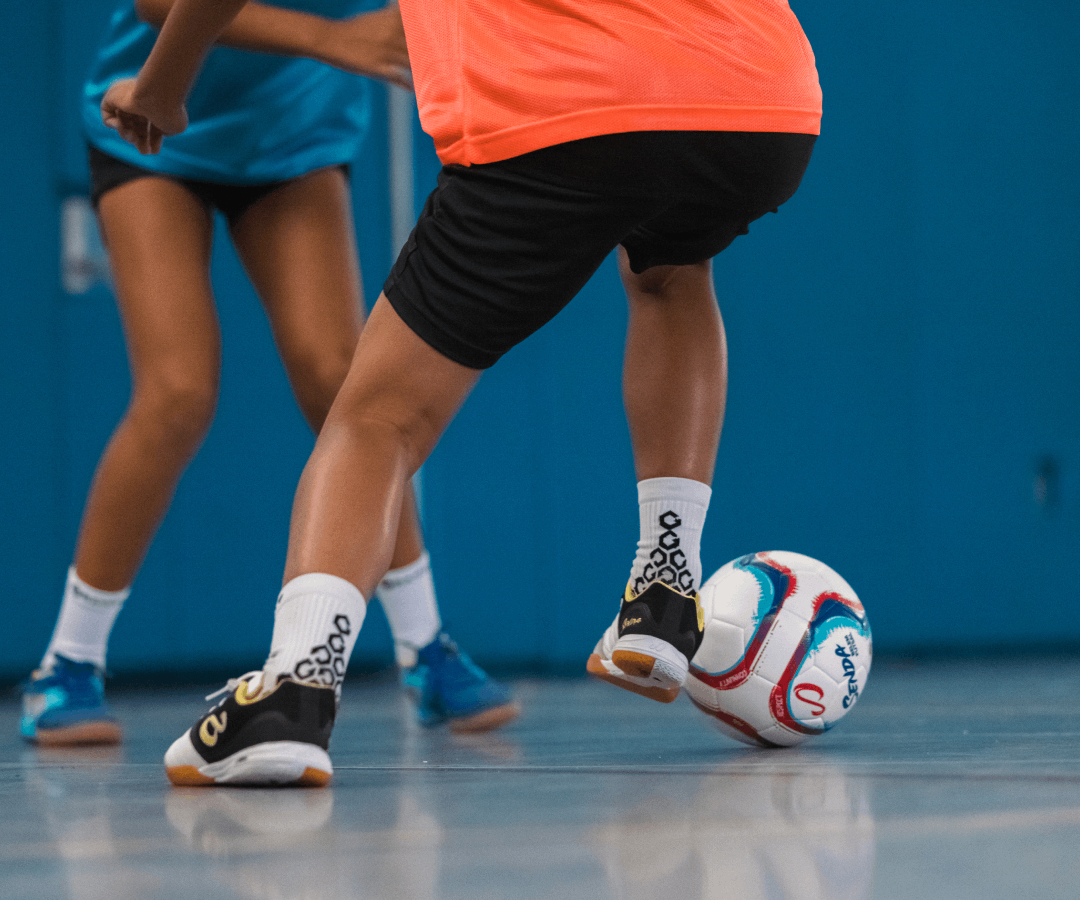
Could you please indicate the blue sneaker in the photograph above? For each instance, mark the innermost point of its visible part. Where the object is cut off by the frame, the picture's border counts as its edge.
(450, 687)
(65, 706)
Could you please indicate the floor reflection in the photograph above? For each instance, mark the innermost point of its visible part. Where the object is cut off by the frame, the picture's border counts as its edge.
(78, 826)
(779, 837)
(589, 796)
(284, 845)
(795, 837)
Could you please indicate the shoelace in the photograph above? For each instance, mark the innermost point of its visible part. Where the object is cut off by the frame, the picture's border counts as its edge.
(233, 683)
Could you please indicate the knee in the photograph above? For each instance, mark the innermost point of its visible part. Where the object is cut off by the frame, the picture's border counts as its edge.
(174, 410)
(316, 374)
(664, 282)
(405, 425)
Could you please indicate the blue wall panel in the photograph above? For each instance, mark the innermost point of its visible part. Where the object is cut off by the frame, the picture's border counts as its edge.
(31, 399)
(204, 598)
(902, 342)
(904, 376)
(999, 367)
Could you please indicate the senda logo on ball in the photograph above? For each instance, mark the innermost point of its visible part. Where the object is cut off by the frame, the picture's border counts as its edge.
(849, 673)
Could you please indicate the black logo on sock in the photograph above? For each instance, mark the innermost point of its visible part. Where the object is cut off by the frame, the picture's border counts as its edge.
(95, 600)
(667, 563)
(326, 664)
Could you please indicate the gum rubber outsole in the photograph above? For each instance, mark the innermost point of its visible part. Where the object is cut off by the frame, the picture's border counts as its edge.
(81, 734)
(487, 719)
(636, 664)
(596, 667)
(263, 764)
(190, 776)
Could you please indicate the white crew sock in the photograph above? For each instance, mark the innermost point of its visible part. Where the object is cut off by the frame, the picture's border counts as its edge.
(316, 622)
(85, 621)
(408, 599)
(672, 515)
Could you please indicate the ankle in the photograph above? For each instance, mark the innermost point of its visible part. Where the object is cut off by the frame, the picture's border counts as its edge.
(316, 623)
(672, 516)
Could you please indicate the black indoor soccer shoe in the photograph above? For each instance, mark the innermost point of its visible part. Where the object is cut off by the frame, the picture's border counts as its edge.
(648, 648)
(258, 734)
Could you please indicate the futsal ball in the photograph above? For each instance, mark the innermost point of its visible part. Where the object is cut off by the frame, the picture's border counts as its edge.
(786, 649)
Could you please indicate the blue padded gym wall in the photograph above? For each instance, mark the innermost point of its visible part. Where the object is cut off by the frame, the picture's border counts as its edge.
(904, 373)
(204, 598)
(903, 397)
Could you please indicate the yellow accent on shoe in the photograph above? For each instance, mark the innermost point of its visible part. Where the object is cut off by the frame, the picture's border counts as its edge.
(211, 727)
(629, 596)
(244, 697)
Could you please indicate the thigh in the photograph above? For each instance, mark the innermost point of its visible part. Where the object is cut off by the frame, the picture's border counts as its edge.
(159, 238)
(298, 246)
(496, 253)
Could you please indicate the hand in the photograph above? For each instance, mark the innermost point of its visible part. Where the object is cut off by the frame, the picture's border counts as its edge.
(371, 44)
(140, 120)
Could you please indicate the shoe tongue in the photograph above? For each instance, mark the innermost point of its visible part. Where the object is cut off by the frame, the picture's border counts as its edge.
(440, 648)
(257, 683)
(72, 664)
(269, 678)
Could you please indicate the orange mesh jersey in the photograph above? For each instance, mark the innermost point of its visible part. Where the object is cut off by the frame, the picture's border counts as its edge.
(498, 78)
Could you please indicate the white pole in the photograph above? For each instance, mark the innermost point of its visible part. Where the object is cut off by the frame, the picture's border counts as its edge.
(402, 112)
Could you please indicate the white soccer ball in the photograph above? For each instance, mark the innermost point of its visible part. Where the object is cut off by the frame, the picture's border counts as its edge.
(786, 650)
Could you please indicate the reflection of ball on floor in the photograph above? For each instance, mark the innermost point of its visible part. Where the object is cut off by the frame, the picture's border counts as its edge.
(786, 650)
(793, 836)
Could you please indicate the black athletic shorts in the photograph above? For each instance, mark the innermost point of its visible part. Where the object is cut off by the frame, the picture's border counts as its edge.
(500, 248)
(232, 200)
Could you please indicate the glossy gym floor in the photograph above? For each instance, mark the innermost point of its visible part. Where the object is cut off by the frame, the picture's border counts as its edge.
(948, 780)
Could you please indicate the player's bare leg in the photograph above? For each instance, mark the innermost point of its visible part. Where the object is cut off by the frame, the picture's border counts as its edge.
(158, 236)
(299, 248)
(674, 370)
(396, 401)
(398, 398)
(674, 389)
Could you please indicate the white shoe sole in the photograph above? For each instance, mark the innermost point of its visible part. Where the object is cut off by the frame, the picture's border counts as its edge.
(642, 664)
(272, 763)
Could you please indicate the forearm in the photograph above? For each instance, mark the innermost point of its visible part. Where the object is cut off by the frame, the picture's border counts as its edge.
(266, 29)
(189, 31)
(147, 108)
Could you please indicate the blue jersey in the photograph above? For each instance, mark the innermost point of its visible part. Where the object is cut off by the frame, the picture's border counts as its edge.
(254, 117)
